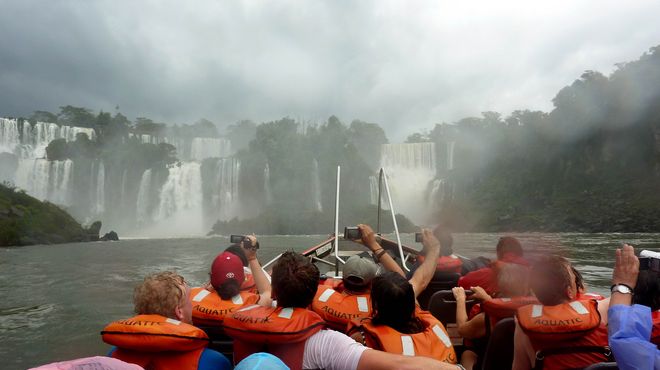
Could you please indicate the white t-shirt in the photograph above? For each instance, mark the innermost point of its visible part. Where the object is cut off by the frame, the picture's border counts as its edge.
(332, 350)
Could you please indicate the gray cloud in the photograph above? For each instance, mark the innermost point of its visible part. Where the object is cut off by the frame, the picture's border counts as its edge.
(405, 65)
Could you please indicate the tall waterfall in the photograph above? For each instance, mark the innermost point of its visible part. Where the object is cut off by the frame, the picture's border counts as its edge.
(225, 199)
(45, 180)
(99, 203)
(410, 168)
(267, 193)
(450, 155)
(143, 211)
(316, 183)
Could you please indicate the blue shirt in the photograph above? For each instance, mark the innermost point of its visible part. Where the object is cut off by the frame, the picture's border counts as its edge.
(629, 330)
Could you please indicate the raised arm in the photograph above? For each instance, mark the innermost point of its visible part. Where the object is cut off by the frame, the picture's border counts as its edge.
(425, 272)
(250, 246)
(369, 240)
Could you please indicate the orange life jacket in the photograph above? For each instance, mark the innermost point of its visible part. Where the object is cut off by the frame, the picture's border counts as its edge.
(156, 342)
(279, 331)
(433, 342)
(497, 309)
(338, 309)
(334, 283)
(565, 336)
(655, 333)
(588, 296)
(209, 309)
(249, 285)
(449, 263)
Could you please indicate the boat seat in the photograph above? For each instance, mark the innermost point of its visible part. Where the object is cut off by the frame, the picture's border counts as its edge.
(499, 351)
(441, 281)
(602, 366)
(442, 305)
(220, 341)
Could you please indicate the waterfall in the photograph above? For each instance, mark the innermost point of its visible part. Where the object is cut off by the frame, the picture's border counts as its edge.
(182, 190)
(410, 168)
(316, 184)
(124, 177)
(267, 193)
(437, 192)
(450, 155)
(99, 204)
(225, 200)
(45, 180)
(9, 135)
(143, 203)
(209, 147)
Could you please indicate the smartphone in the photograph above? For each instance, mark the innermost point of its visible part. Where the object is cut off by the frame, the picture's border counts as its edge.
(236, 239)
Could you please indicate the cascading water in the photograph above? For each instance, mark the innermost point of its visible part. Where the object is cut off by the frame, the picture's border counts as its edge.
(143, 211)
(316, 183)
(225, 199)
(99, 204)
(450, 155)
(410, 168)
(45, 180)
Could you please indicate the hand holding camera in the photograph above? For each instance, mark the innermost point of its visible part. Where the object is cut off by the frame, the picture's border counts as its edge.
(626, 267)
(249, 244)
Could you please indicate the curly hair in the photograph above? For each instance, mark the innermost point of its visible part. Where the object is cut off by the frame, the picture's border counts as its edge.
(160, 293)
(294, 280)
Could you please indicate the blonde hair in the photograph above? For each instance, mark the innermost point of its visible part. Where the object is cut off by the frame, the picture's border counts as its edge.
(160, 293)
(513, 280)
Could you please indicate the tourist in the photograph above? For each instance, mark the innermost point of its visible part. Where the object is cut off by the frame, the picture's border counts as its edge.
(562, 332)
(92, 363)
(353, 301)
(398, 324)
(223, 294)
(162, 336)
(513, 281)
(296, 334)
(508, 250)
(630, 327)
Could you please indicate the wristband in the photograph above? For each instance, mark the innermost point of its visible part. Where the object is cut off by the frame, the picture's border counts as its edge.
(378, 255)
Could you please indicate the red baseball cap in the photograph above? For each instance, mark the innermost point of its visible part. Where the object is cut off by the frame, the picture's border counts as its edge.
(226, 266)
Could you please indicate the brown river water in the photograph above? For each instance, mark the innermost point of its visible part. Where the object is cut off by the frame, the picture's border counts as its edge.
(54, 300)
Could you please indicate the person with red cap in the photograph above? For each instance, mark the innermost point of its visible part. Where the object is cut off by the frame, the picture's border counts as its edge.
(222, 295)
(509, 250)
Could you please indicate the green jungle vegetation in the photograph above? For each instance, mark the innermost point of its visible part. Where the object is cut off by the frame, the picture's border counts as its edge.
(25, 220)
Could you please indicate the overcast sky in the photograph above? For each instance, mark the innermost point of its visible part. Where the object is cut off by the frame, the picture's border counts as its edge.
(403, 64)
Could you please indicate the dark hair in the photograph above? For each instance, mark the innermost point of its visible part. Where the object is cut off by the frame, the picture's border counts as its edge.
(393, 303)
(237, 250)
(579, 280)
(294, 280)
(550, 278)
(445, 239)
(508, 244)
(647, 289)
(229, 289)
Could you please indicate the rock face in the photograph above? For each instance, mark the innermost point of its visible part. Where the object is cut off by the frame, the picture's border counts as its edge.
(111, 236)
(25, 220)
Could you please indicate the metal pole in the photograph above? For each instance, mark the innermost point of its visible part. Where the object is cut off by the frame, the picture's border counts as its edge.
(337, 221)
(380, 190)
(396, 227)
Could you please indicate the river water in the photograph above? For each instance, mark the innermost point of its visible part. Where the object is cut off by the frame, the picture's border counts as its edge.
(54, 300)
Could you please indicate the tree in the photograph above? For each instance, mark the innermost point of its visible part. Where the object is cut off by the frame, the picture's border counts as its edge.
(76, 116)
(241, 133)
(367, 139)
(42, 116)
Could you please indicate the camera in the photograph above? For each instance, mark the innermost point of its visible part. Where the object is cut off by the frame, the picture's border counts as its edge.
(418, 237)
(352, 233)
(649, 260)
(236, 239)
